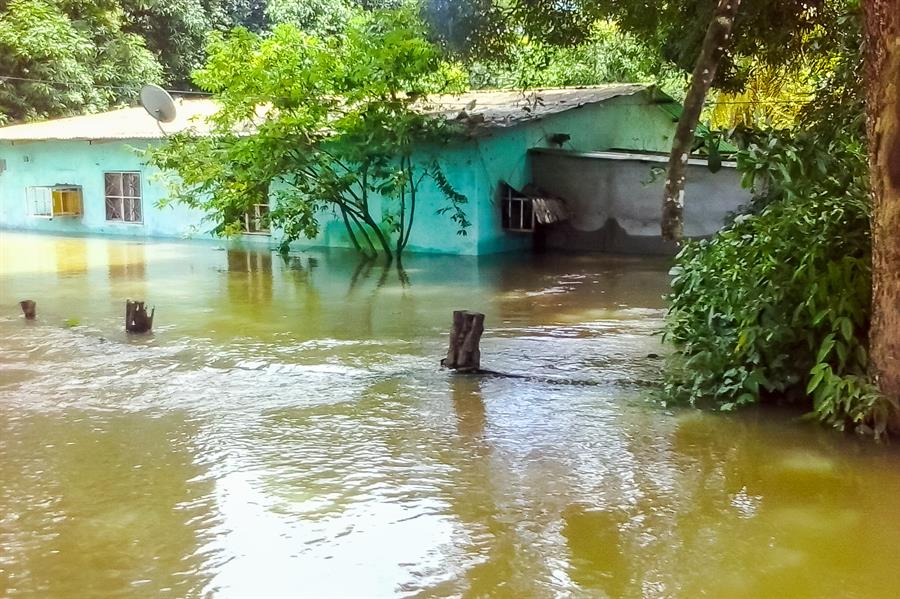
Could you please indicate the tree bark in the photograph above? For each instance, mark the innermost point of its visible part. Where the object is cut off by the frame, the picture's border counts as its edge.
(882, 46)
(29, 309)
(136, 318)
(464, 354)
(718, 36)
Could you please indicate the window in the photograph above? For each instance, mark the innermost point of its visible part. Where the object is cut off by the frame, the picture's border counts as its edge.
(256, 220)
(517, 212)
(54, 201)
(123, 197)
(522, 211)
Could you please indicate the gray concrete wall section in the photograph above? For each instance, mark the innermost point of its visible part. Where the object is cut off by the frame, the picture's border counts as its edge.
(615, 199)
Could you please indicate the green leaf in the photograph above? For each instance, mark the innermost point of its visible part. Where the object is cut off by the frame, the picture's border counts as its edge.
(815, 380)
(825, 348)
(847, 329)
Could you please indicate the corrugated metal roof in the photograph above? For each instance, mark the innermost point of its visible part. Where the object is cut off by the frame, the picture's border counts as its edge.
(477, 110)
(509, 108)
(124, 123)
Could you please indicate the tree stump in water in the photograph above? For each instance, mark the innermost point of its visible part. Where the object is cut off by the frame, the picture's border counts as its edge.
(29, 308)
(136, 319)
(464, 354)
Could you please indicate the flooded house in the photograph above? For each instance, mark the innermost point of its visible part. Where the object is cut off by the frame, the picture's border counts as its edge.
(570, 169)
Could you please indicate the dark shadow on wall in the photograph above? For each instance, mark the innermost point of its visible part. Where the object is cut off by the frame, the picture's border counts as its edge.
(610, 238)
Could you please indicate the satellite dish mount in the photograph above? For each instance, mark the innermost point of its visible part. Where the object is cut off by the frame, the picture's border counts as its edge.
(158, 104)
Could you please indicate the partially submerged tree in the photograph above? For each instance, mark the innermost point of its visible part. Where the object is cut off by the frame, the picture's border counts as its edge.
(332, 125)
(882, 34)
(778, 305)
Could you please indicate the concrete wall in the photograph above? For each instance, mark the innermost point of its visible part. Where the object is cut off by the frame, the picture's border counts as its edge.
(615, 199)
(475, 168)
(623, 122)
(84, 163)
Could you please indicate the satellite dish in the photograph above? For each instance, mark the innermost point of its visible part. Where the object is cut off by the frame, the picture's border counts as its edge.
(158, 103)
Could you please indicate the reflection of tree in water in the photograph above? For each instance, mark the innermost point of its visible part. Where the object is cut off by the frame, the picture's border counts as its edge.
(716, 508)
(370, 310)
(103, 507)
(301, 292)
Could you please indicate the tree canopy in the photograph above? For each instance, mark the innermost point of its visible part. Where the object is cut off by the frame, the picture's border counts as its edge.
(61, 57)
(776, 32)
(607, 55)
(334, 123)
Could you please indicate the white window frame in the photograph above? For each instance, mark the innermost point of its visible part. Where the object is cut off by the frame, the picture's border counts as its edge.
(43, 194)
(255, 215)
(121, 199)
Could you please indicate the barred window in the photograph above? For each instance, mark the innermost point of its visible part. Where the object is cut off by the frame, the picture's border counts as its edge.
(123, 197)
(256, 220)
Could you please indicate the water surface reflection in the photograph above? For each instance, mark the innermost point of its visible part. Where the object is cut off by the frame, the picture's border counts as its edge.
(286, 431)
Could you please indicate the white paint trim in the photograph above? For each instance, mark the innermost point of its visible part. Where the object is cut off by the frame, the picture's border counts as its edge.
(625, 156)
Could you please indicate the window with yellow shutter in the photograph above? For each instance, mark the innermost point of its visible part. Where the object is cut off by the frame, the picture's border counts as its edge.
(54, 201)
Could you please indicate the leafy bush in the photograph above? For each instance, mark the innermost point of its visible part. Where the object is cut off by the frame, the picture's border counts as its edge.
(777, 304)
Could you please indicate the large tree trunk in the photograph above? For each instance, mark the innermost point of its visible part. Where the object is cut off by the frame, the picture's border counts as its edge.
(718, 35)
(882, 31)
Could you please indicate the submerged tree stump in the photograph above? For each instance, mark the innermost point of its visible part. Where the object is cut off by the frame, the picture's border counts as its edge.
(29, 309)
(464, 354)
(136, 319)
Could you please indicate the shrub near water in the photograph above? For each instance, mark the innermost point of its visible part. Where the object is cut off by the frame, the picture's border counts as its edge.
(777, 304)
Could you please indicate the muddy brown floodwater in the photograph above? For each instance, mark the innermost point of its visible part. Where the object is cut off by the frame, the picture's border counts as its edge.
(285, 431)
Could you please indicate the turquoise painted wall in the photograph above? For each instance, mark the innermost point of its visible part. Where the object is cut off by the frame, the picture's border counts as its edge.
(83, 163)
(474, 168)
(624, 122)
(432, 233)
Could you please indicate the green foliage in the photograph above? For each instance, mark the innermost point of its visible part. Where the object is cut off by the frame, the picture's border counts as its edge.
(771, 98)
(324, 123)
(456, 200)
(777, 304)
(174, 31)
(775, 32)
(68, 57)
(177, 31)
(87, 55)
(607, 56)
(320, 16)
(821, 89)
